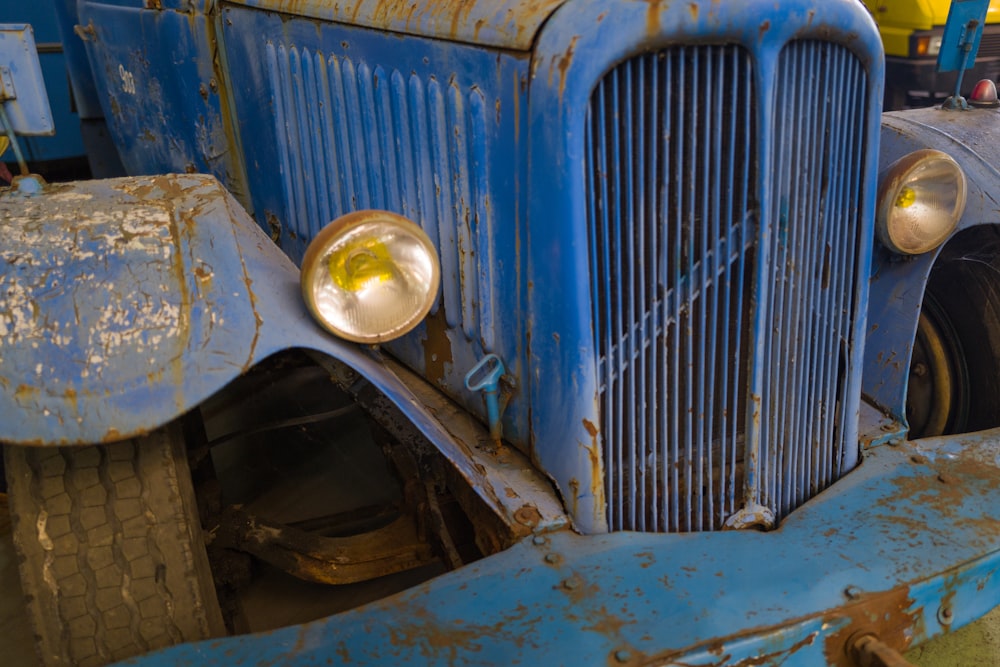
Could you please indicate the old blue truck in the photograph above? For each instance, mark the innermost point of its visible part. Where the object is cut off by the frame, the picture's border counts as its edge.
(665, 346)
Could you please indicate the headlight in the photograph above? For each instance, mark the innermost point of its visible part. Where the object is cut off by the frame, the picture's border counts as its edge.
(370, 276)
(920, 201)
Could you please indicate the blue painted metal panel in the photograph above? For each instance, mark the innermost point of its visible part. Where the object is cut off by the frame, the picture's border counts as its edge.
(504, 24)
(85, 95)
(54, 62)
(897, 286)
(24, 99)
(162, 96)
(563, 344)
(962, 34)
(67, 141)
(356, 119)
(910, 532)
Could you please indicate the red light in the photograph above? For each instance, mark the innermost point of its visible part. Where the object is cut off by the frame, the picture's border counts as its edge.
(984, 94)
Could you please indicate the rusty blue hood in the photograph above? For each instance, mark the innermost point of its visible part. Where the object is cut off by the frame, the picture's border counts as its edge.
(505, 24)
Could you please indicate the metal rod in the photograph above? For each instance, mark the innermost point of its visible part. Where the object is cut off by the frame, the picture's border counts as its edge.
(9, 130)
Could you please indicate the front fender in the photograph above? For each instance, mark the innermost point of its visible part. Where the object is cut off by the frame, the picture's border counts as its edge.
(127, 302)
(897, 283)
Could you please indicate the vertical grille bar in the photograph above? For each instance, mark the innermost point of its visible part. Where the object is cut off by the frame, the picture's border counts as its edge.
(671, 159)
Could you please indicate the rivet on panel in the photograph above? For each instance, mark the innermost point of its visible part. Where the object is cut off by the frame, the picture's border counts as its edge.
(945, 615)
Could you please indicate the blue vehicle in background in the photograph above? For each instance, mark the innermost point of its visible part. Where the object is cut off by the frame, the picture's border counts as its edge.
(631, 333)
(80, 146)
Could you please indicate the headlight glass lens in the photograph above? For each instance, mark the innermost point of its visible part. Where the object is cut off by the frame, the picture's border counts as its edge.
(370, 276)
(921, 199)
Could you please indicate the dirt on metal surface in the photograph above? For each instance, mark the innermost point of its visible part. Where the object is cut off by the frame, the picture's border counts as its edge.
(510, 24)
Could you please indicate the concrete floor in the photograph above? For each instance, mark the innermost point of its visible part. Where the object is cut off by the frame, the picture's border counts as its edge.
(977, 645)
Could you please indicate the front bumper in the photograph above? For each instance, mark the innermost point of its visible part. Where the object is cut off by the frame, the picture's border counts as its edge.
(906, 547)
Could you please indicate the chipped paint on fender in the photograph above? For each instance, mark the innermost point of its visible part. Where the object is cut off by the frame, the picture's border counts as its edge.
(111, 322)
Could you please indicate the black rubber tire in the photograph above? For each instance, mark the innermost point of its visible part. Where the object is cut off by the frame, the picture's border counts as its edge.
(965, 286)
(112, 558)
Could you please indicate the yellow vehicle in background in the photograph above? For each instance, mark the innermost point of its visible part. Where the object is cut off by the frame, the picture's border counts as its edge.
(911, 33)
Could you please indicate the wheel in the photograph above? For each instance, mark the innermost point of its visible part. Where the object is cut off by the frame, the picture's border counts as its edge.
(112, 559)
(954, 382)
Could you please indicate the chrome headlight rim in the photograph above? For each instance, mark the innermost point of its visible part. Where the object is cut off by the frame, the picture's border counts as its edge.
(315, 268)
(897, 177)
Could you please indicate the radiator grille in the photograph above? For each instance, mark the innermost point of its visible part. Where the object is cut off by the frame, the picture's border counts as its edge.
(678, 269)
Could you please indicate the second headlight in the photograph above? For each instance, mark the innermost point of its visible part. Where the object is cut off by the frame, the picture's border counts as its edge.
(370, 276)
(920, 201)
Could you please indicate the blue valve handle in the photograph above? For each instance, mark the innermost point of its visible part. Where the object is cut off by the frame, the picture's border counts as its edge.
(487, 374)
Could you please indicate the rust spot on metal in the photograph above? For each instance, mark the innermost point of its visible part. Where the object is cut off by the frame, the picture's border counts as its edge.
(596, 463)
(938, 489)
(764, 27)
(70, 395)
(25, 392)
(437, 347)
(528, 515)
(433, 637)
(693, 9)
(574, 487)
(202, 272)
(563, 65)
(273, 226)
(887, 616)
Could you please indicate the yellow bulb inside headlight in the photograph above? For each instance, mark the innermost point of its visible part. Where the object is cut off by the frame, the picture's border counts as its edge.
(370, 276)
(920, 201)
(906, 197)
(356, 266)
